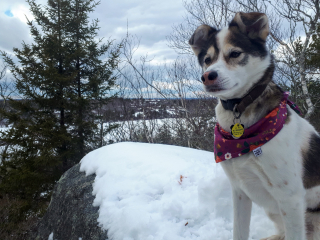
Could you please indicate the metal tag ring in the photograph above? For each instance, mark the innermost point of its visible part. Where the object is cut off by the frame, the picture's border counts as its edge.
(234, 112)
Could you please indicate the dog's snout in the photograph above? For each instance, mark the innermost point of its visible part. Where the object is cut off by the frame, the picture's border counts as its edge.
(208, 77)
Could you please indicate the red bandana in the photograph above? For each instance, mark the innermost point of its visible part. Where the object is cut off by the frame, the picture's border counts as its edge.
(226, 147)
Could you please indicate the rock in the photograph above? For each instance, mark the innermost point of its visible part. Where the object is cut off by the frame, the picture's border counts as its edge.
(70, 215)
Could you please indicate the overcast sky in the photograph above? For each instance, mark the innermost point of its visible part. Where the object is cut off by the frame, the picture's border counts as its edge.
(151, 20)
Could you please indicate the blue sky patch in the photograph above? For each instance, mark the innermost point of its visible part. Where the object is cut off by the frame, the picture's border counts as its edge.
(8, 13)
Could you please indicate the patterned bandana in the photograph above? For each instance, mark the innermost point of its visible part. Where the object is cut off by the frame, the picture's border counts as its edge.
(226, 147)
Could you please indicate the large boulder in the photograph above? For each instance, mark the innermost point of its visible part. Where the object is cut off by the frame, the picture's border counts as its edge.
(71, 215)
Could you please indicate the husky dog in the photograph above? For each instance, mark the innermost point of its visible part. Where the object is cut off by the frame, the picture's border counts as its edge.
(285, 178)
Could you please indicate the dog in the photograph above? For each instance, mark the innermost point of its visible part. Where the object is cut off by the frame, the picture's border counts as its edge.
(284, 177)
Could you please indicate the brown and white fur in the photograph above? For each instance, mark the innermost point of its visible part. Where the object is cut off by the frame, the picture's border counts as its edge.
(285, 179)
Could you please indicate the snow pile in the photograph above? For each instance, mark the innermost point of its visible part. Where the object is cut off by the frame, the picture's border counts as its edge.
(161, 192)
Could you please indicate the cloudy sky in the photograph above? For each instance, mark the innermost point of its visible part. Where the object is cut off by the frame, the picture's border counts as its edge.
(150, 20)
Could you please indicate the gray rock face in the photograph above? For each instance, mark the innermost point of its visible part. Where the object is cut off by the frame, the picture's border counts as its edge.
(70, 215)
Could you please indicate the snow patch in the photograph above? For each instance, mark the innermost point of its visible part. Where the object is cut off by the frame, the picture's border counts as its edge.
(50, 236)
(162, 192)
(137, 114)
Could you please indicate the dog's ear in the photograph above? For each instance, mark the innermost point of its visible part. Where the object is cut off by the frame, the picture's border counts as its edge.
(200, 37)
(254, 24)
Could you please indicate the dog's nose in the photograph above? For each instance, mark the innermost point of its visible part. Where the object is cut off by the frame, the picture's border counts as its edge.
(208, 77)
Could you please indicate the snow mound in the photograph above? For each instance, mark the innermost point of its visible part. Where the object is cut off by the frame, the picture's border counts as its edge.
(162, 192)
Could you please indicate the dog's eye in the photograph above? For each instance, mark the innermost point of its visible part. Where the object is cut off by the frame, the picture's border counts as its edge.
(207, 60)
(234, 54)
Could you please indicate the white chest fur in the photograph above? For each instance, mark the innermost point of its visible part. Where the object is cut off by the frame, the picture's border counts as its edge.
(278, 169)
(274, 180)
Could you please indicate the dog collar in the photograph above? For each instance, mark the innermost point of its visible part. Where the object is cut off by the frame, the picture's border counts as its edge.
(226, 147)
(240, 104)
(230, 103)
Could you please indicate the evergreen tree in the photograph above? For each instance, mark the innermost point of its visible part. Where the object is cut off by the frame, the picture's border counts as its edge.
(313, 66)
(62, 79)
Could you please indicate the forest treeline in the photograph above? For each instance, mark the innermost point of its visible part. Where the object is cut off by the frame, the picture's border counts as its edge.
(72, 92)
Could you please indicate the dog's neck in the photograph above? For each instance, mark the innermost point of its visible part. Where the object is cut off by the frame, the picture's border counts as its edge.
(238, 105)
(260, 107)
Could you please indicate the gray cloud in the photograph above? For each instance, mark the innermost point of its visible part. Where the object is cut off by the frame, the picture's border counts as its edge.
(13, 32)
(150, 20)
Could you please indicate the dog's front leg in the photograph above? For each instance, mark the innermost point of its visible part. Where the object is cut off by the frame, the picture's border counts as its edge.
(241, 215)
(292, 210)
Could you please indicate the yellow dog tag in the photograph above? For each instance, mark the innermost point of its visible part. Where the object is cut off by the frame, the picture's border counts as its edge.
(237, 130)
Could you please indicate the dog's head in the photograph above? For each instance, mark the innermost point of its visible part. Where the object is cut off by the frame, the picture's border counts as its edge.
(234, 58)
